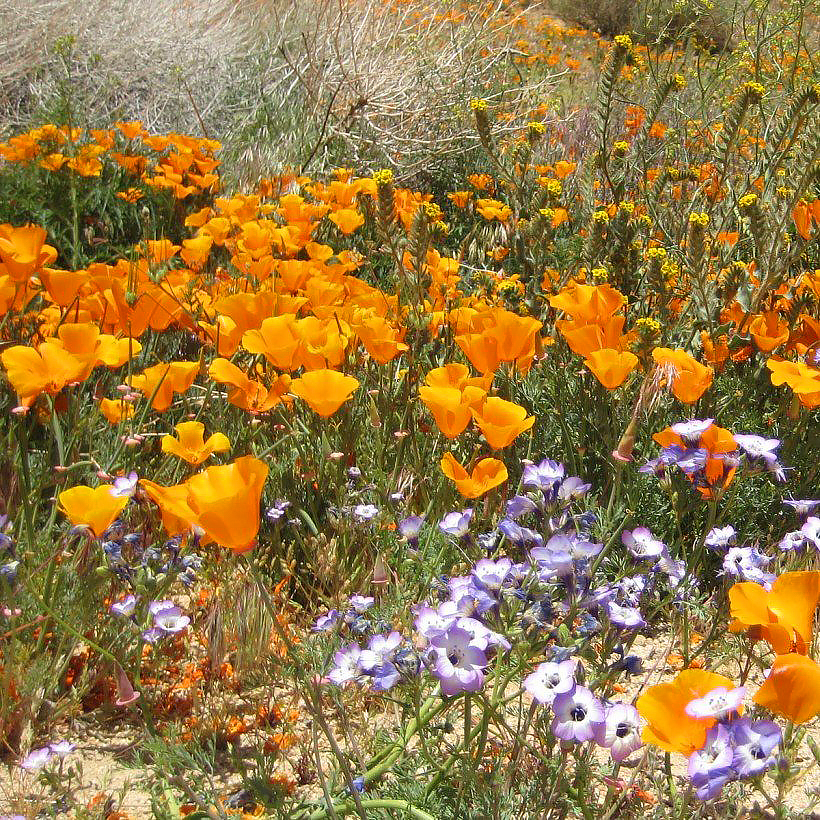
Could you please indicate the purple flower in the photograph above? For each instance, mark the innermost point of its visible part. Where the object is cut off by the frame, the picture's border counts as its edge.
(546, 476)
(365, 512)
(482, 637)
(347, 666)
(431, 623)
(36, 759)
(520, 505)
(746, 563)
(361, 603)
(277, 511)
(756, 447)
(631, 588)
(641, 543)
(492, 575)
(551, 679)
(61, 748)
(691, 431)
(410, 528)
(459, 664)
(720, 538)
(803, 507)
(577, 715)
(792, 541)
(170, 621)
(457, 523)
(755, 746)
(626, 617)
(620, 731)
(572, 488)
(718, 703)
(125, 486)
(380, 649)
(811, 530)
(710, 768)
(518, 535)
(324, 623)
(125, 607)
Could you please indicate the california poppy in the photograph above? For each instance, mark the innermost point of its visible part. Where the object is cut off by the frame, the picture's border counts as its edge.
(45, 369)
(116, 410)
(783, 614)
(93, 508)
(23, 251)
(324, 390)
(663, 707)
(226, 499)
(160, 382)
(487, 474)
(689, 378)
(501, 421)
(190, 444)
(792, 688)
(611, 367)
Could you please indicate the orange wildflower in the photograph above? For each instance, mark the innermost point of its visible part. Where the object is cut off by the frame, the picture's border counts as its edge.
(611, 367)
(501, 421)
(689, 378)
(487, 474)
(663, 707)
(160, 382)
(792, 688)
(92, 508)
(190, 444)
(23, 251)
(325, 391)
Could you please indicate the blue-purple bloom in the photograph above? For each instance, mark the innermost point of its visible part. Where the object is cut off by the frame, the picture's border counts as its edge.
(347, 666)
(457, 523)
(620, 731)
(458, 663)
(578, 713)
(641, 543)
(755, 746)
(551, 679)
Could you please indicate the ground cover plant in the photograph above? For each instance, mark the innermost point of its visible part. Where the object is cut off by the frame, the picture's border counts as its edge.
(468, 478)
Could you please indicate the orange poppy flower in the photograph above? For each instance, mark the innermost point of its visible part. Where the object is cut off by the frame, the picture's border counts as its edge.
(247, 393)
(689, 378)
(160, 382)
(93, 508)
(116, 410)
(492, 209)
(611, 367)
(792, 688)
(663, 707)
(45, 369)
(481, 349)
(803, 380)
(85, 341)
(501, 421)
(783, 615)
(190, 444)
(23, 251)
(347, 220)
(460, 198)
(324, 390)
(769, 331)
(226, 501)
(801, 216)
(563, 168)
(177, 516)
(588, 303)
(487, 474)
(451, 406)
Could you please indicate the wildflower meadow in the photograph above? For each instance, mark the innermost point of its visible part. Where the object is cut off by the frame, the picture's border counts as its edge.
(410, 410)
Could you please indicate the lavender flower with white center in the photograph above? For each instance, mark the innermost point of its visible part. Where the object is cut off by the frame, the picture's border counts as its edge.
(641, 543)
(551, 679)
(431, 623)
(482, 636)
(155, 607)
(572, 488)
(409, 528)
(674, 570)
(691, 461)
(457, 523)
(492, 575)
(36, 759)
(720, 538)
(631, 588)
(518, 535)
(746, 563)
(554, 559)
(171, 621)
(757, 448)
(625, 617)
(459, 664)
(125, 486)
(710, 768)
(361, 603)
(620, 731)
(792, 541)
(811, 530)
(61, 748)
(755, 746)
(520, 505)
(365, 512)
(381, 648)
(125, 607)
(347, 666)
(278, 511)
(803, 507)
(324, 623)
(385, 676)
(718, 703)
(691, 431)
(577, 715)
(545, 476)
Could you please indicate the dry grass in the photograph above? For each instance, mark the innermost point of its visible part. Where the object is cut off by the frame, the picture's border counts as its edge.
(283, 82)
